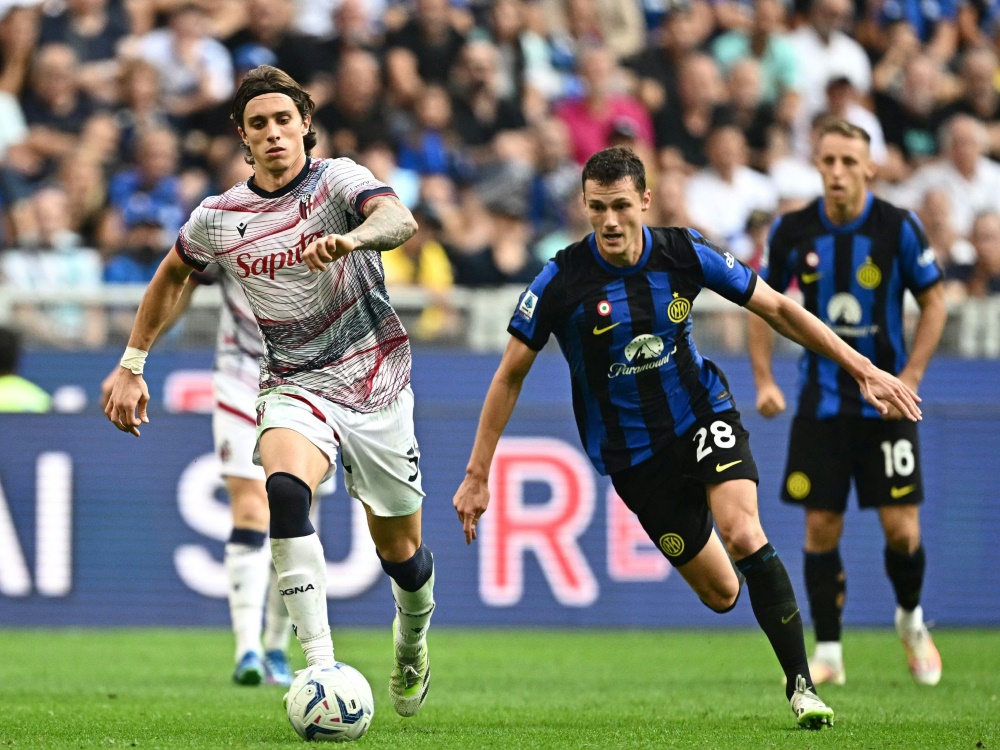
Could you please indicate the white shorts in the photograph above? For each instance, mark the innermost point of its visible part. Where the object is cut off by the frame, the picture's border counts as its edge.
(234, 427)
(378, 451)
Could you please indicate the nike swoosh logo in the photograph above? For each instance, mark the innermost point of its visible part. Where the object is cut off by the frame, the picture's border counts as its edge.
(599, 331)
(809, 278)
(898, 492)
(723, 467)
(786, 620)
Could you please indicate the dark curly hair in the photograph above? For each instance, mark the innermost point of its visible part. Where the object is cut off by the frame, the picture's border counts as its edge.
(613, 164)
(266, 79)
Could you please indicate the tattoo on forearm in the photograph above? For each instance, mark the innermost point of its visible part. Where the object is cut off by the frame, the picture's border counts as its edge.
(388, 226)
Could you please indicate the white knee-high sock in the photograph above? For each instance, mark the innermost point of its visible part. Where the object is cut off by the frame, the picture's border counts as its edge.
(413, 609)
(277, 623)
(302, 582)
(246, 569)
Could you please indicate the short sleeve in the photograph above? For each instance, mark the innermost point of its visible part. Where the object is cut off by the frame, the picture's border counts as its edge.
(722, 272)
(774, 268)
(354, 185)
(917, 260)
(193, 243)
(533, 319)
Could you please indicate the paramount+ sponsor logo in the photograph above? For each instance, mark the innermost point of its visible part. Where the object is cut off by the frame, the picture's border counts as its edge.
(268, 265)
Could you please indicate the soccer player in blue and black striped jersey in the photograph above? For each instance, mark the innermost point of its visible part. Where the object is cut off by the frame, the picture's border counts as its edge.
(853, 256)
(652, 412)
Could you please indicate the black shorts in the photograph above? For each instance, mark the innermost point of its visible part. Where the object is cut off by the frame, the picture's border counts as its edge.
(667, 491)
(883, 457)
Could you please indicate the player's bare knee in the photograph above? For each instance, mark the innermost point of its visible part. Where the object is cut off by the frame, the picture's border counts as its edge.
(744, 541)
(397, 549)
(903, 540)
(723, 596)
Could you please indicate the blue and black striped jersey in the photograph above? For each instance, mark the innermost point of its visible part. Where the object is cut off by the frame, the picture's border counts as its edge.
(638, 380)
(852, 277)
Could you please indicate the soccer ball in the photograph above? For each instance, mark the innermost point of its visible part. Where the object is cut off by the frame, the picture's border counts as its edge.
(330, 704)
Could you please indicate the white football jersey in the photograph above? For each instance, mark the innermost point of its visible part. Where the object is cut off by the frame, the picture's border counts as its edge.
(333, 333)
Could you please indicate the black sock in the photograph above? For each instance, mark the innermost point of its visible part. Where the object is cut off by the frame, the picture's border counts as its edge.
(773, 602)
(826, 586)
(907, 575)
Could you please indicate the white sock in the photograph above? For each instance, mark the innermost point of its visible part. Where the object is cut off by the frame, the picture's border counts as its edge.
(909, 622)
(302, 577)
(246, 569)
(414, 609)
(832, 652)
(277, 623)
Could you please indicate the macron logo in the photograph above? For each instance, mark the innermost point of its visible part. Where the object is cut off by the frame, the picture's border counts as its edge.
(241, 228)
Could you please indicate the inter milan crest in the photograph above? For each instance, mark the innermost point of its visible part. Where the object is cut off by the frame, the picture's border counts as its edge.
(869, 275)
(678, 309)
(604, 308)
(305, 207)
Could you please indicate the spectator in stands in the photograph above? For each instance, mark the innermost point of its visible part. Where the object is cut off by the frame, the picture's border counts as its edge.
(141, 251)
(985, 278)
(356, 116)
(82, 178)
(657, 67)
(825, 52)
(55, 110)
(576, 227)
(556, 178)
(955, 254)
(796, 179)
(747, 108)
(428, 42)
(907, 118)
(381, 160)
(590, 118)
(93, 30)
(978, 72)
(721, 197)
(682, 128)
(270, 24)
(354, 24)
(16, 393)
(977, 22)
(50, 258)
(617, 25)
(18, 42)
(423, 262)
(147, 196)
(971, 180)
(196, 71)
(935, 22)
(141, 105)
(669, 200)
(766, 42)
(509, 258)
(481, 110)
(431, 147)
(525, 55)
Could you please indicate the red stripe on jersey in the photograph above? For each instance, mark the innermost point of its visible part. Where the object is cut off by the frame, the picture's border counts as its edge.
(316, 412)
(236, 412)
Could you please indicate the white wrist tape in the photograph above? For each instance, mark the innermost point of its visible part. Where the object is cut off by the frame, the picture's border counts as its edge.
(134, 360)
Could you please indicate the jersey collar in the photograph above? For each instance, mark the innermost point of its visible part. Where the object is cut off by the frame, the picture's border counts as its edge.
(851, 226)
(647, 248)
(282, 190)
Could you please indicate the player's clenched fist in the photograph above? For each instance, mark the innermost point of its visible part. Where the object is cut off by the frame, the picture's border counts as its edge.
(128, 396)
(770, 400)
(327, 250)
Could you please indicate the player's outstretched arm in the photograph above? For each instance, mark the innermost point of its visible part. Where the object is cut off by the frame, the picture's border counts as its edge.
(473, 494)
(794, 322)
(760, 342)
(129, 394)
(387, 225)
(183, 302)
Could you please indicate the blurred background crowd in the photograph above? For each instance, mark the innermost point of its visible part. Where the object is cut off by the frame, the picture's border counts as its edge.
(114, 124)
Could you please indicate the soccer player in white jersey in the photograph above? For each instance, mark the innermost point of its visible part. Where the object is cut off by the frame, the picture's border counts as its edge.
(254, 598)
(303, 238)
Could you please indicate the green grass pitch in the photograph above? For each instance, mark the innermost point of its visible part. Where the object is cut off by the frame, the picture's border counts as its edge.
(503, 689)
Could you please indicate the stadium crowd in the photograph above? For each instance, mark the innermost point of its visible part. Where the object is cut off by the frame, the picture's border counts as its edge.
(114, 122)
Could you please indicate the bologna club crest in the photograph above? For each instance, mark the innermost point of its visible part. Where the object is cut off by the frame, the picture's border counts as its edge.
(305, 207)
